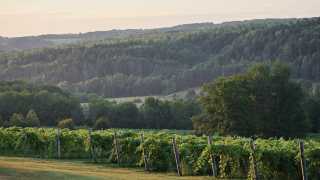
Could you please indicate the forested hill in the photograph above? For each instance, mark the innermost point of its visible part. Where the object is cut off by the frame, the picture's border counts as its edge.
(52, 40)
(170, 61)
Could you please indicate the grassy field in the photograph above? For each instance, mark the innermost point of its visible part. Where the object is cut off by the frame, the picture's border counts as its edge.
(138, 100)
(12, 168)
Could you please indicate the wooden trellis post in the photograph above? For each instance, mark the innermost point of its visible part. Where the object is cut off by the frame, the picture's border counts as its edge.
(145, 160)
(90, 145)
(116, 148)
(213, 162)
(303, 161)
(58, 143)
(25, 139)
(176, 156)
(254, 163)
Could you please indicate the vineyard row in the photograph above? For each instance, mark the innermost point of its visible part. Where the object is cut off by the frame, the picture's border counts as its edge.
(224, 157)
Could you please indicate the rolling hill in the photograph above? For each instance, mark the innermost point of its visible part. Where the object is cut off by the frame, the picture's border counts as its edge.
(167, 60)
(53, 40)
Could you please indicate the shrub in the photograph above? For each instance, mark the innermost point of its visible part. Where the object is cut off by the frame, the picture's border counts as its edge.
(102, 123)
(66, 123)
(32, 119)
(17, 119)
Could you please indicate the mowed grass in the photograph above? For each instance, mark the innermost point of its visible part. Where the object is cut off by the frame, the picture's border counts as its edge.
(12, 168)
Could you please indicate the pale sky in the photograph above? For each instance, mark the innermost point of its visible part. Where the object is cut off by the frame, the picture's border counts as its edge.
(34, 17)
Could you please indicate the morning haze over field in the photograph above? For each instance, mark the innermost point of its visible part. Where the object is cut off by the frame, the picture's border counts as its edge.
(34, 17)
(159, 89)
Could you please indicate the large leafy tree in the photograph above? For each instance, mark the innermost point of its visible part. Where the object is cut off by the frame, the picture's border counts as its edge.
(261, 102)
(126, 115)
(156, 113)
(182, 111)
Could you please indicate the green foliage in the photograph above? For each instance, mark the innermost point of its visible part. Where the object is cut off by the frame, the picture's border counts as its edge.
(32, 119)
(311, 106)
(174, 114)
(126, 115)
(276, 158)
(128, 145)
(74, 144)
(122, 115)
(46, 105)
(2, 122)
(156, 113)
(182, 112)
(18, 120)
(50, 103)
(66, 123)
(102, 123)
(159, 152)
(152, 114)
(102, 145)
(262, 102)
(170, 61)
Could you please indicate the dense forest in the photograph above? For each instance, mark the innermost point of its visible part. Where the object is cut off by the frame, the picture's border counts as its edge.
(170, 60)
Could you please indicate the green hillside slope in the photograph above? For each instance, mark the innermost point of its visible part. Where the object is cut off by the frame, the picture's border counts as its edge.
(170, 61)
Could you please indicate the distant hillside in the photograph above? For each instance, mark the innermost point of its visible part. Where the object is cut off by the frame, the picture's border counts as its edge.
(52, 40)
(170, 60)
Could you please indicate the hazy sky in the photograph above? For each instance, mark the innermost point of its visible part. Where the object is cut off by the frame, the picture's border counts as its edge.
(33, 17)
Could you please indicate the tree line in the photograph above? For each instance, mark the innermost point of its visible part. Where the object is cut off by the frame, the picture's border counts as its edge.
(152, 114)
(262, 102)
(48, 103)
(30, 105)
